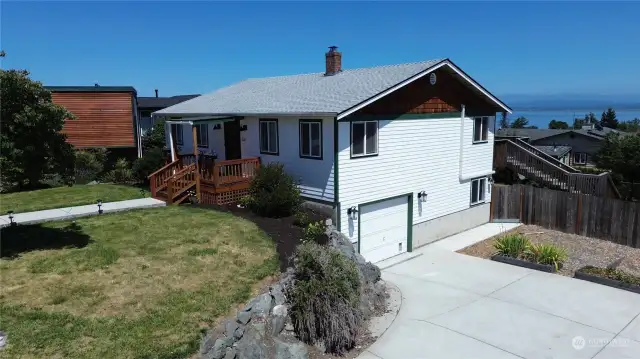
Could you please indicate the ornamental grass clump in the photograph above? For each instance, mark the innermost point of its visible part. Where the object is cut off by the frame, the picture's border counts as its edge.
(325, 298)
(512, 245)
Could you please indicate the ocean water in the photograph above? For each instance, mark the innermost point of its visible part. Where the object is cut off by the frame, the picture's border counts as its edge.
(541, 118)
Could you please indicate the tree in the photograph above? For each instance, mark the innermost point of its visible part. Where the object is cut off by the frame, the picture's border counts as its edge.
(630, 126)
(504, 121)
(621, 154)
(609, 118)
(590, 118)
(558, 125)
(31, 144)
(154, 138)
(520, 122)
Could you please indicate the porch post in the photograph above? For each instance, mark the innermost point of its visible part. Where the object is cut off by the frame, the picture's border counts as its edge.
(195, 153)
(172, 147)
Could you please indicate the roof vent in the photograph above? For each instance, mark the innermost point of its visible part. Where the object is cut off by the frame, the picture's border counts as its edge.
(333, 61)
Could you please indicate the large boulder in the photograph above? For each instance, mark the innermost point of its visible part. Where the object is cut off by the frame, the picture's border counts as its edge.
(252, 345)
(289, 349)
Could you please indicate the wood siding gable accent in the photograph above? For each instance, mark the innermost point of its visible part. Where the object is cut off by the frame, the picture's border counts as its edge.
(103, 119)
(420, 97)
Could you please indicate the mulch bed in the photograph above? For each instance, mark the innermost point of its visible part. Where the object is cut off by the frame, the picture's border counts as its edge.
(283, 230)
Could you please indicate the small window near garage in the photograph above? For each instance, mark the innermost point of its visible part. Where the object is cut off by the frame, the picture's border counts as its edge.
(480, 129)
(580, 158)
(364, 138)
(176, 131)
(269, 136)
(311, 139)
(202, 135)
(478, 190)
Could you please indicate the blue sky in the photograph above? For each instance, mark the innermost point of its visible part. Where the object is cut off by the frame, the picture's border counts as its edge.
(197, 47)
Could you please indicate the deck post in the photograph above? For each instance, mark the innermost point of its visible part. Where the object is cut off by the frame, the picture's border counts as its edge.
(194, 130)
(172, 146)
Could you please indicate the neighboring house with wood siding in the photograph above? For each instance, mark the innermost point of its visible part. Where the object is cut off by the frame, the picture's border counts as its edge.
(401, 154)
(106, 116)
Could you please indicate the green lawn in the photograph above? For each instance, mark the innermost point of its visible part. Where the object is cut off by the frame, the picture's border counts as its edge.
(60, 197)
(139, 284)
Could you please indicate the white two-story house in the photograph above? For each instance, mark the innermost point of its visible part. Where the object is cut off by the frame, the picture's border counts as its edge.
(401, 153)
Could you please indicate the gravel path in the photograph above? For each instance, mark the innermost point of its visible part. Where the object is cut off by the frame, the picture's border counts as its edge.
(582, 251)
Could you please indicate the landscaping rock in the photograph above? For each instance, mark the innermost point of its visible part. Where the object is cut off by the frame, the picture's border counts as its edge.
(286, 349)
(243, 317)
(277, 292)
(261, 304)
(251, 345)
(237, 334)
(207, 343)
(231, 353)
(230, 328)
(219, 349)
(289, 327)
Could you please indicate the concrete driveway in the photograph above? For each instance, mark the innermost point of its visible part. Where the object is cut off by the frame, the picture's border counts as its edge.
(457, 306)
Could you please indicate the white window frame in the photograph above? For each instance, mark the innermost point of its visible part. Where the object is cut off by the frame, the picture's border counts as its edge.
(580, 156)
(364, 140)
(481, 183)
(308, 153)
(269, 150)
(200, 133)
(484, 129)
(177, 135)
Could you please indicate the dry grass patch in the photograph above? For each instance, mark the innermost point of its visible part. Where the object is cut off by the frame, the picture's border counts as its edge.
(135, 285)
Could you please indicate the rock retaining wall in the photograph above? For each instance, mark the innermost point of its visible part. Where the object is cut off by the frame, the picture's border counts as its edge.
(263, 329)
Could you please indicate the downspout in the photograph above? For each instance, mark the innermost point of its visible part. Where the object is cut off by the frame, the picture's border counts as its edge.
(461, 177)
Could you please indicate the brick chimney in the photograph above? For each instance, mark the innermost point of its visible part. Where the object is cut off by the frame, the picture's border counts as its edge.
(333, 61)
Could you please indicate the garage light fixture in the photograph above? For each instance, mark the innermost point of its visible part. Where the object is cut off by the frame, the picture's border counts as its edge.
(352, 212)
(422, 196)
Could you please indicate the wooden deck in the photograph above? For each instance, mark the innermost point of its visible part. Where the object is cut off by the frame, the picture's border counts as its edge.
(211, 181)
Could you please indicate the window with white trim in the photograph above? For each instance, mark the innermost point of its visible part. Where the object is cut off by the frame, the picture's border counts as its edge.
(311, 139)
(176, 132)
(269, 136)
(480, 129)
(202, 135)
(364, 138)
(478, 190)
(580, 158)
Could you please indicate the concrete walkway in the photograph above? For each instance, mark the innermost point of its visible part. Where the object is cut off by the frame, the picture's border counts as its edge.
(457, 306)
(79, 211)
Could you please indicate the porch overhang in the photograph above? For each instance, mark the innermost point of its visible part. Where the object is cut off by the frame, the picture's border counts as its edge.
(201, 120)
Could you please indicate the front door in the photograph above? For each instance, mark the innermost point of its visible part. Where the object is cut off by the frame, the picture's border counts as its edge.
(232, 140)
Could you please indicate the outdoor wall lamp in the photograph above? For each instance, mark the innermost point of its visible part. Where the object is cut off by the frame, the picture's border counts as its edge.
(11, 218)
(217, 126)
(243, 128)
(352, 212)
(422, 196)
(99, 206)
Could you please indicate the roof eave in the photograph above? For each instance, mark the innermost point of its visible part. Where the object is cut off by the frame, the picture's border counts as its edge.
(243, 114)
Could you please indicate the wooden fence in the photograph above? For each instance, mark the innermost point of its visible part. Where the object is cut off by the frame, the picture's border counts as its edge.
(605, 218)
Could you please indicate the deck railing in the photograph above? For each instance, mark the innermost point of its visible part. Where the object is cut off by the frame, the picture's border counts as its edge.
(180, 183)
(232, 171)
(158, 180)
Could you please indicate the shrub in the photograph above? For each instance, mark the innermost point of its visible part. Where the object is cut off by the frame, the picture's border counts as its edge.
(325, 298)
(121, 172)
(151, 161)
(88, 166)
(512, 245)
(314, 232)
(546, 254)
(301, 219)
(612, 273)
(273, 192)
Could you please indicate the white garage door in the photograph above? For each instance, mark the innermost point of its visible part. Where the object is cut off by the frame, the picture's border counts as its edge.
(383, 229)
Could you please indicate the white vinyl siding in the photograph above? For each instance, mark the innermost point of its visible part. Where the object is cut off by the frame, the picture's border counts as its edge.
(315, 176)
(269, 137)
(480, 129)
(310, 139)
(413, 156)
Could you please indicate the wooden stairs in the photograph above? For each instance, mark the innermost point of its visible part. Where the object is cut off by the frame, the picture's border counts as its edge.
(529, 162)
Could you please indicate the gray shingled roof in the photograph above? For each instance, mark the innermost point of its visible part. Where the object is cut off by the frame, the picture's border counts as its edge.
(162, 102)
(298, 94)
(535, 134)
(554, 151)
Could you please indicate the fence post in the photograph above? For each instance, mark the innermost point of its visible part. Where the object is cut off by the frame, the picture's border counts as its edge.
(521, 203)
(579, 214)
(491, 204)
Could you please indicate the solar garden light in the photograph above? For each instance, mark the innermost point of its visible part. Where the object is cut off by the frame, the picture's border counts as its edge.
(99, 206)
(11, 218)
